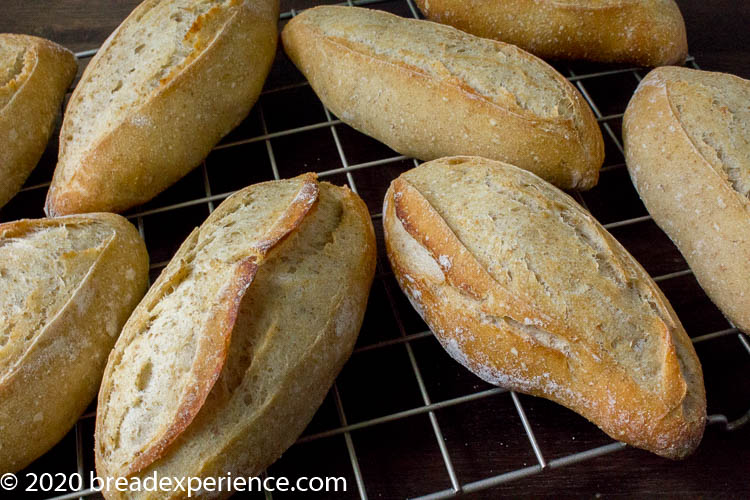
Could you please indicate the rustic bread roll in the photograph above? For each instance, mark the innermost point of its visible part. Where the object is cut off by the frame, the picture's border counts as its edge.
(66, 288)
(428, 90)
(687, 145)
(529, 292)
(173, 79)
(233, 349)
(34, 75)
(643, 32)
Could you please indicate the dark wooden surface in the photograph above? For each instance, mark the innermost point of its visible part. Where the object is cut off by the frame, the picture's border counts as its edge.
(484, 437)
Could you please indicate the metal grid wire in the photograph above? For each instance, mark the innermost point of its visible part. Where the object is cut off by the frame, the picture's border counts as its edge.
(428, 407)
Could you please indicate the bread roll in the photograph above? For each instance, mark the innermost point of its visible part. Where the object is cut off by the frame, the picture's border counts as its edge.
(643, 32)
(229, 355)
(687, 145)
(173, 79)
(34, 75)
(428, 90)
(66, 288)
(529, 292)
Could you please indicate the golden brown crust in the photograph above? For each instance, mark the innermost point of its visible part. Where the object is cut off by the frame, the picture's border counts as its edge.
(503, 325)
(418, 108)
(292, 217)
(689, 194)
(35, 94)
(156, 142)
(213, 342)
(212, 352)
(643, 32)
(296, 325)
(57, 376)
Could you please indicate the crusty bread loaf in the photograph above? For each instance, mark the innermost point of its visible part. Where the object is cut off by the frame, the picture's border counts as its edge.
(529, 292)
(173, 79)
(687, 145)
(66, 288)
(233, 349)
(643, 32)
(34, 75)
(428, 90)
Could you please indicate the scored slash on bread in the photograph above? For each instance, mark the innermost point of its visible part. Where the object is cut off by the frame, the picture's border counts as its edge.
(429, 90)
(227, 358)
(687, 145)
(308, 251)
(306, 197)
(225, 273)
(173, 79)
(34, 75)
(67, 286)
(209, 358)
(529, 292)
(432, 232)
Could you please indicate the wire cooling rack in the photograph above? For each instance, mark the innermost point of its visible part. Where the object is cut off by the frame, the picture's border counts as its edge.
(395, 419)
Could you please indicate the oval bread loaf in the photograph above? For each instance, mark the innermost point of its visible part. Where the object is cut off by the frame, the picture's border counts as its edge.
(233, 349)
(428, 90)
(166, 86)
(67, 286)
(643, 32)
(34, 75)
(529, 292)
(687, 146)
